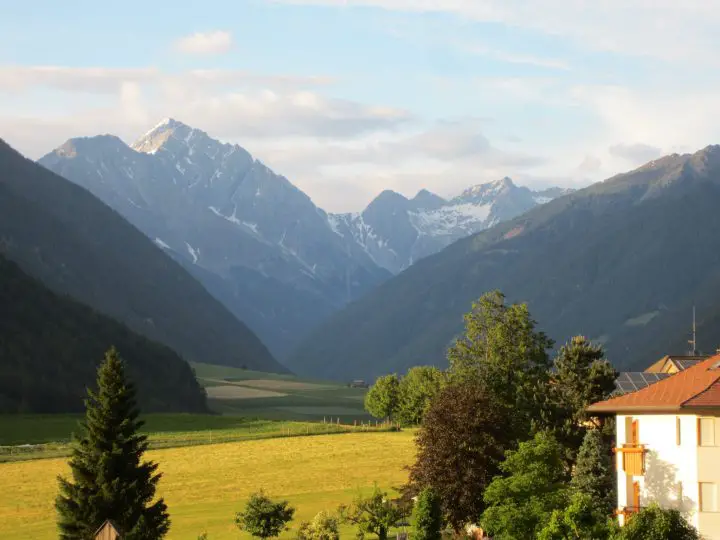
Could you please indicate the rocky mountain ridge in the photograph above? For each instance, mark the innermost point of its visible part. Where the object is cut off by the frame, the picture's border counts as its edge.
(257, 242)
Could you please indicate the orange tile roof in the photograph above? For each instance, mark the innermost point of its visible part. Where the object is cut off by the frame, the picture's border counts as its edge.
(695, 387)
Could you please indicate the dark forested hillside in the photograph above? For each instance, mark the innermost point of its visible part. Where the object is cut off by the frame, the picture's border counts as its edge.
(50, 347)
(622, 262)
(62, 235)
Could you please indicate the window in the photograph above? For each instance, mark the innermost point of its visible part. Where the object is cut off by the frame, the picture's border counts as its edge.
(706, 432)
(678, 437)
(708, 497)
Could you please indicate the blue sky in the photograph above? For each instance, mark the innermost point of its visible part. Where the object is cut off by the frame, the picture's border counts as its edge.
(349, 97)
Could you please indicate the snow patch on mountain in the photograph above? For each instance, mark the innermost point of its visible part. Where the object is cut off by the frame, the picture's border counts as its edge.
(396, 232)
(194, 253)
(162, 244)
(449, 219)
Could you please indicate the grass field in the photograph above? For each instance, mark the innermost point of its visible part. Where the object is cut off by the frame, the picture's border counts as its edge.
(234, 391)
(262, 425)
(205, 485)
(24, 437)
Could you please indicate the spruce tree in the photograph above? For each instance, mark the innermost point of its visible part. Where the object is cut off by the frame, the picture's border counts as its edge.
(594, 474)
(109, 480)
(581, 376)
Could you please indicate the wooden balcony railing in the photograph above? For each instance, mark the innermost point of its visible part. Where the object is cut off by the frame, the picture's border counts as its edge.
(633, 459)
(627, 511)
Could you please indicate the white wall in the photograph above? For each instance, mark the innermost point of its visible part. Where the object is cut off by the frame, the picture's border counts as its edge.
(671, 470)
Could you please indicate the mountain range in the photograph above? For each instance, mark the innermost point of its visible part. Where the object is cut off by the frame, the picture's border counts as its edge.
(623, 262)
(258, 243)
(61, 235)
(396, 231)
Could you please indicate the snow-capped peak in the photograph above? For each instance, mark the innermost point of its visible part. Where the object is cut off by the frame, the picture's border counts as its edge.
(164, 131)
(397, 235)
(488, 190)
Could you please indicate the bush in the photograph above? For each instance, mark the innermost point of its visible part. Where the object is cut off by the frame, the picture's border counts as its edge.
(655, 523)
(428, 516)
(322, 527)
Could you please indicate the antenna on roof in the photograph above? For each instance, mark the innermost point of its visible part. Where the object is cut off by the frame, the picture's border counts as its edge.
(693, 341)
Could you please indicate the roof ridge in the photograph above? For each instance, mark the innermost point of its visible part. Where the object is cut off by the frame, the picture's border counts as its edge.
(696, 396)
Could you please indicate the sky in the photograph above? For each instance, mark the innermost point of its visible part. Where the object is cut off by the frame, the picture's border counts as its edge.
(347, 98)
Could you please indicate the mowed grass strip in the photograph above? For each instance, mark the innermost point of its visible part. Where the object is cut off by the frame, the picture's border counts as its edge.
(297, 399)
(205, 485)
(239, 392)
(243, 429)
(269, 384)
(43, 428)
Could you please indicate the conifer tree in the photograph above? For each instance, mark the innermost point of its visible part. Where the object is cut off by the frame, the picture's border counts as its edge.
(109, 480)
(428, 516)
(594, 474)
(581, 376)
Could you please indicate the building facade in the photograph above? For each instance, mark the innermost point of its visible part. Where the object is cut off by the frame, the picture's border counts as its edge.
(668, 446)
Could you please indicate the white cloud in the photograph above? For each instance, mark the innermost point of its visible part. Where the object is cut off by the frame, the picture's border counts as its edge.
(664, 29)
(444, 157)
(228, 104)
(515, 58)
(92, 80)
(589, 165)
(216, 42)
(99, 80)
(658, 117)
(635, 153)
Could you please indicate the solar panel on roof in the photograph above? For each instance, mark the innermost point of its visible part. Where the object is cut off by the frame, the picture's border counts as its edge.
(627, 382)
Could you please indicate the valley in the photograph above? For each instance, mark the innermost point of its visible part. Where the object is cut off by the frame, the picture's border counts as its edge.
(371, 269)
(211, 463)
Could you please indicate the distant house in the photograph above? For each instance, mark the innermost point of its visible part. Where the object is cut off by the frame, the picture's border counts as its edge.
(675, 363)
(631, 381)
(668, 445)
(358, 383)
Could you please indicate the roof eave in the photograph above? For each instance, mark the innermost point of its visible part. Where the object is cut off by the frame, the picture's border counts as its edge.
(620, 409)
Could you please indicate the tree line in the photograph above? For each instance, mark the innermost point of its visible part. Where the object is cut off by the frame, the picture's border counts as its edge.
(504, 444)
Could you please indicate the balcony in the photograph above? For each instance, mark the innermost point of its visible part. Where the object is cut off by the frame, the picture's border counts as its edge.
(627, 511)
(633, 459)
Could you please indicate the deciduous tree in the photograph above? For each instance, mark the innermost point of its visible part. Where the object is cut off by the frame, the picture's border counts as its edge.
(580, 520)
(416, 390)
(459, 447)
(375, 514)
(383, 398)
(264, 518)
(502, 350)
(533, 485)
(109, 478)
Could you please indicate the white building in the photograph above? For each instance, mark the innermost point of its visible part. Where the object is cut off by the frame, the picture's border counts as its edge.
(668, 446)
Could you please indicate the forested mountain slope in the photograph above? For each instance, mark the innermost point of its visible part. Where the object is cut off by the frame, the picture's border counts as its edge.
(622, 261)
(50, 347)
(61, 234)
